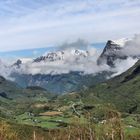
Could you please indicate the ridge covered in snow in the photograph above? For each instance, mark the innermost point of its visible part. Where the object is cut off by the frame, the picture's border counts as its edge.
(121, 42)
(62, 55)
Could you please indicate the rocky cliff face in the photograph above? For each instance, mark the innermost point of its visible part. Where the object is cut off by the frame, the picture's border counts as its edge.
(17, 63)
(111, 52)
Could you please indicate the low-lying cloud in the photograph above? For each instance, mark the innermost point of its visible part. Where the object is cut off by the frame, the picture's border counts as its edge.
(71, 60)
(132, 46)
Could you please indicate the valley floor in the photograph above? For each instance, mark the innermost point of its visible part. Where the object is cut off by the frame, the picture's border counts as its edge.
(73, 120)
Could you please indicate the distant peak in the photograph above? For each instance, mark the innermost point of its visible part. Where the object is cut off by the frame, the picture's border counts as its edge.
(112, 52)
(17, 63)
(61, 55)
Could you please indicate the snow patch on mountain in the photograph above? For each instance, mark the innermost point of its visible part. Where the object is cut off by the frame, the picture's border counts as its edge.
(26, 60)
(121, 42)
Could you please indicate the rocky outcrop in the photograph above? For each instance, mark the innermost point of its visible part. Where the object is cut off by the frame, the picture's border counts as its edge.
(111, 52)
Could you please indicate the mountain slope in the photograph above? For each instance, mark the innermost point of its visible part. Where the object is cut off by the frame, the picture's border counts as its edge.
(14, 99)
(123, 91)
(61, 83)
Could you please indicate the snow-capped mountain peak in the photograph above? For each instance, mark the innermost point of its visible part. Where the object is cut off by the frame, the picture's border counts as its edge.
(112, 52)
(62, 55)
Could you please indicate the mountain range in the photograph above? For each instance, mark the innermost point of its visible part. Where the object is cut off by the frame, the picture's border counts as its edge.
(68, 81)
(69, 69)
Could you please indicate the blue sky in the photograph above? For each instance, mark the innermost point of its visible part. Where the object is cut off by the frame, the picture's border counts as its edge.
(28, 24)
(35, 52)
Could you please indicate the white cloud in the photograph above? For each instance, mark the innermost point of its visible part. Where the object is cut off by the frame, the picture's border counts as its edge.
(132, 47)
(123, 65)
(33, 24)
